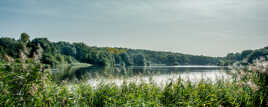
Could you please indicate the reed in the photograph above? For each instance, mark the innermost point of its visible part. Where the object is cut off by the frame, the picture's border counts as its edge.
(31, 86)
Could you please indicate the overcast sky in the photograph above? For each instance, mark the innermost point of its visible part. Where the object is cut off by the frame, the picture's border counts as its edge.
(199, 27)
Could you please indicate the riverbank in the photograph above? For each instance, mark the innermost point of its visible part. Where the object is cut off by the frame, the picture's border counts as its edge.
(28, 87)
(75, 65)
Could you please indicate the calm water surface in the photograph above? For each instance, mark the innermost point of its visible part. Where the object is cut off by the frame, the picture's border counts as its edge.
(157, 74)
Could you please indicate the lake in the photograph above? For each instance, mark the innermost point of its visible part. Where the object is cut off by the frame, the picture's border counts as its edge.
(158, 74)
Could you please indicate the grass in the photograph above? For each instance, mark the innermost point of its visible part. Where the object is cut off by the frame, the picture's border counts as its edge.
(31, 86)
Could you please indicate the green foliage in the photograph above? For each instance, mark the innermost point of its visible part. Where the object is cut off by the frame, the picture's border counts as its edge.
(24, 37)
(22, 85)
(140, 60)
(19, 85)
(245, 53)
(10, 47)
(172, 60)
(257, 54)
(245, 57)
(44, 43)
(64, 52)
(29, 85)
(48, 59)
(57, 52)
(125, 59)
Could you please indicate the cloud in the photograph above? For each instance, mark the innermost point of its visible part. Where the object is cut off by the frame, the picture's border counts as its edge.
(187, 25)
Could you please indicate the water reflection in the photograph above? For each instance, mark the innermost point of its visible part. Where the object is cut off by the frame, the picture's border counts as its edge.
(158, 74)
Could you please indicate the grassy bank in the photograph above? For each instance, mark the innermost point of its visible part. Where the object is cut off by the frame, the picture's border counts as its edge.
(29, 85)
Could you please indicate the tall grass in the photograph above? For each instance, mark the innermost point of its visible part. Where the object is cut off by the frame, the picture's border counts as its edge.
(31, 86)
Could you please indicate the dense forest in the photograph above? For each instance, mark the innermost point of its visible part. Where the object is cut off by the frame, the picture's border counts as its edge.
(246, 57)
(53, 53)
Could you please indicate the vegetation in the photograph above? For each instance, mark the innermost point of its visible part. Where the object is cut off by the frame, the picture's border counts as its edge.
(25, 81)
(246, 57)
(53, 53)
(29, 85)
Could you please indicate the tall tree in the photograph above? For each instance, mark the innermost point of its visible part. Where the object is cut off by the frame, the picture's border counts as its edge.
(140, 60)
(24, 37)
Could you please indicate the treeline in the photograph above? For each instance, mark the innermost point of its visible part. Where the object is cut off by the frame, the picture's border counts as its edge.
(170, 58)
(246, 57)
(52, 53)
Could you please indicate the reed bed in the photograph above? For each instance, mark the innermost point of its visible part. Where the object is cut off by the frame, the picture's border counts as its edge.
(32, 86)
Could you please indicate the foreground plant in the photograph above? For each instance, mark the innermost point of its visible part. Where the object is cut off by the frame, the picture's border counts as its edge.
(30, 85)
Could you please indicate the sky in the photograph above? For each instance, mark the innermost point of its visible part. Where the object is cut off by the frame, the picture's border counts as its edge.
(198, 27)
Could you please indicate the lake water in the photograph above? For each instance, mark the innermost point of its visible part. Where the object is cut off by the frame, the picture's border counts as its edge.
(157, 74)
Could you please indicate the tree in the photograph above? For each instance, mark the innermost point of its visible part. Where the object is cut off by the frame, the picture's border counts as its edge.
(246, 53)
(234, 56)
(125, 58)
(10, 46)
(256, 55)
(172, 60)
(24, 37)
(139, 60)
(68, 51)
